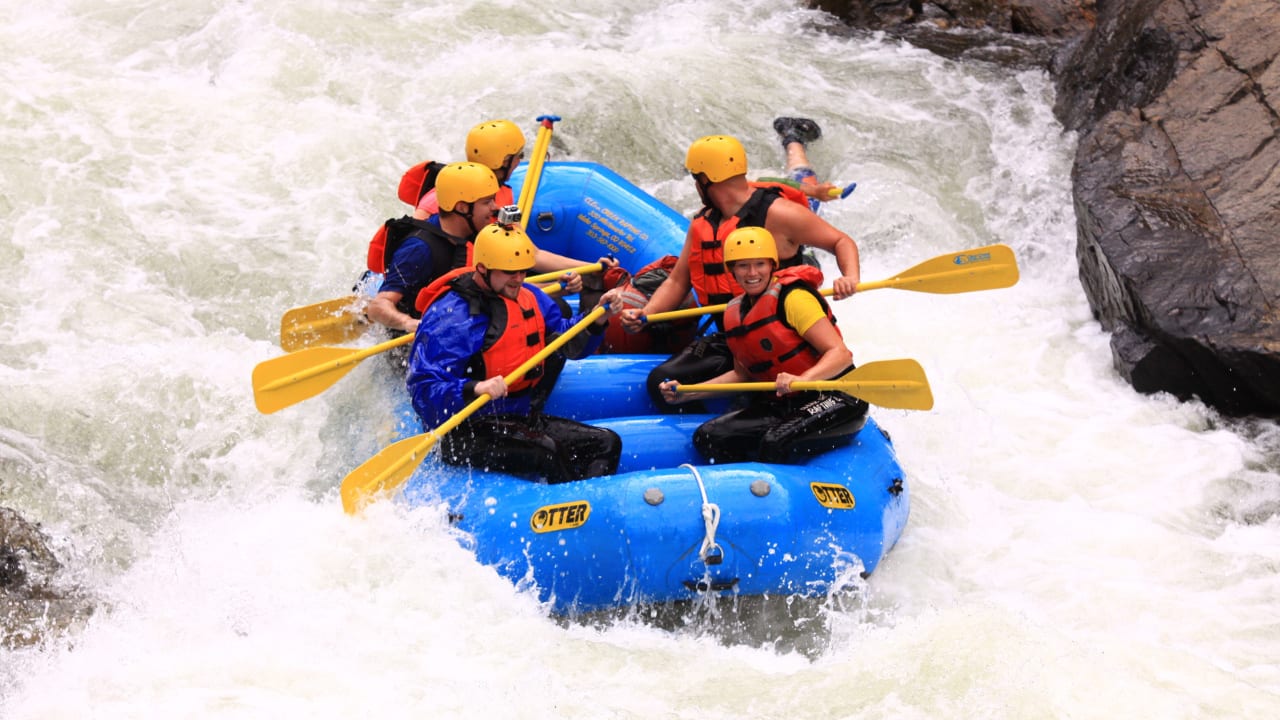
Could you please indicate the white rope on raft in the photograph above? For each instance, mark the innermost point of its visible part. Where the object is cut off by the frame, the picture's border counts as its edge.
(710, 519)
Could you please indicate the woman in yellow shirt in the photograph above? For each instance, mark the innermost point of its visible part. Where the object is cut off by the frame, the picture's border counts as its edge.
(781, 330)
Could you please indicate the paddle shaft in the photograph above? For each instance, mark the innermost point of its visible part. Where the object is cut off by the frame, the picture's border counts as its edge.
(798, 386)
(889, 383)
(555, 274)
(534, 174)
(986, 268)
(351, 359)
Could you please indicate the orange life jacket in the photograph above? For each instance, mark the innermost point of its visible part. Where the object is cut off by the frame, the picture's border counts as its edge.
(761, 339)
(712, 282)
(516, 332)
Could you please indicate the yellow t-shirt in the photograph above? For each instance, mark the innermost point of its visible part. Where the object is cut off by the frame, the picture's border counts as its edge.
(802, 310)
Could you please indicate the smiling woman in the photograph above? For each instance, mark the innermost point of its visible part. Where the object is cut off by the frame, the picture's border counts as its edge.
(1073, 548)
(779, 330)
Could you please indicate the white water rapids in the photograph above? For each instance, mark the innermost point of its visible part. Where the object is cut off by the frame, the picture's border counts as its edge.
(175, 175)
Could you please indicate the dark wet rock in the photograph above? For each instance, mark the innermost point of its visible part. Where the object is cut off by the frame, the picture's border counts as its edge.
(1012, 33)
(33, 600)
(1176, 177)
(1177, 194)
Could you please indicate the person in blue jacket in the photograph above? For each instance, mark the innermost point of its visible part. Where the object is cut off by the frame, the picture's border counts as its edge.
(485, 322)
(417, 252)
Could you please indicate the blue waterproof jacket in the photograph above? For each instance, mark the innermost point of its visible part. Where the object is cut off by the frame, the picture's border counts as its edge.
(448, 339)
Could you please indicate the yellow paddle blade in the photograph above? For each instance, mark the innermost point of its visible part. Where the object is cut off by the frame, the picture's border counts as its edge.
(342, 320)
(985, 268)
(888, 383)
(385, 471)
(290, 379)
(332, 322)
(897, 384)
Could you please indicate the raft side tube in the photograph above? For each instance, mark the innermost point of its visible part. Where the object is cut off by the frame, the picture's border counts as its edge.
(637, 536)
(603, 386)
(585, 210)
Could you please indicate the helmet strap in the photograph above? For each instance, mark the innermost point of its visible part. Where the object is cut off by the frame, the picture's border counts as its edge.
(471, 223)
(704, 188)
(507, 167)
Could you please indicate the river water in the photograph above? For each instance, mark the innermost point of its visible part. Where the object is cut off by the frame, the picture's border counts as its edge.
(177, 174)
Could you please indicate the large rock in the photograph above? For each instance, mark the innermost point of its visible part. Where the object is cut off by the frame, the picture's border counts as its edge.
(32, 598)
(1177, 172)
(1177, 194)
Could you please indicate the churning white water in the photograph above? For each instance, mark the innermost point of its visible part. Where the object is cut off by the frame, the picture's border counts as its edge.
(177, 174)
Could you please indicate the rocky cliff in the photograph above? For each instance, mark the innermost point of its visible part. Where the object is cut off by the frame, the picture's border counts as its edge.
(1177, 170)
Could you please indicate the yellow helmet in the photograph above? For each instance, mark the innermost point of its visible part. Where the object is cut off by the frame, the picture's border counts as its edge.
(491, 143)
(750, 243)
(464, 182)
(719, 157)
(502, 247)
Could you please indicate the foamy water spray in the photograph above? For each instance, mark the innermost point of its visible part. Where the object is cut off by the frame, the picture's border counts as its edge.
(177, 177)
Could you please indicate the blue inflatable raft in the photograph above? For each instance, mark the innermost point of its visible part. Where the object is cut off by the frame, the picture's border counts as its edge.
(667, 526)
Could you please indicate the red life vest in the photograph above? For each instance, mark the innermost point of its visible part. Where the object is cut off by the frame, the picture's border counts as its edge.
(376, 260)
(712, 282)
(392, 234)
(437, 287)
(666, 337)
(761, 339)
(506, 196)
(421, 179)
(446, 252)
(516, 332)
(789, 192)
(417, 180)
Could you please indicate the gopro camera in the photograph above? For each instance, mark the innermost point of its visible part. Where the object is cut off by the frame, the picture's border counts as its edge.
(509, 215)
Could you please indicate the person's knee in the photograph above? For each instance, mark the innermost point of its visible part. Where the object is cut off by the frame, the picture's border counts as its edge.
(606, 461)
(717, 442)
(704, 441)
(657, 376)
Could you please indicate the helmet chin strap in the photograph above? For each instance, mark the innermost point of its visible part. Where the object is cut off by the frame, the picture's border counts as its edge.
(471, 223)
(507, 167)
(704, 186)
